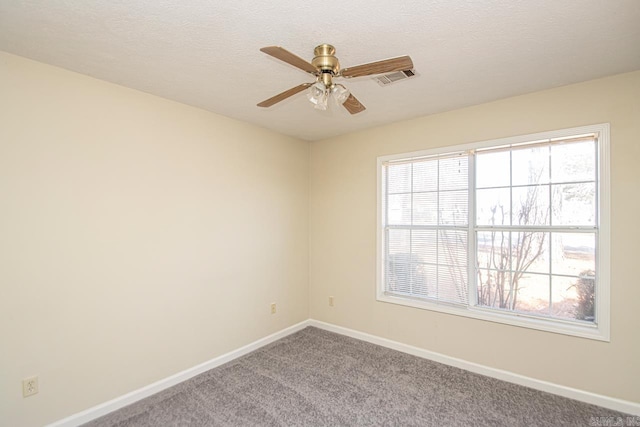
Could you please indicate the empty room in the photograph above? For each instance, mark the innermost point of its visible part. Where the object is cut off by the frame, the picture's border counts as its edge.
(238, 213)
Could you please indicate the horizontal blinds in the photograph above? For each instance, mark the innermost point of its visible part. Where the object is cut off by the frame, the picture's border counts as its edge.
(425, 204)
(546, 142)
(416, 159)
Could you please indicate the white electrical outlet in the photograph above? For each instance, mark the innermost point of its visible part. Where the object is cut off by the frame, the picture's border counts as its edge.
(273, 308)
(29, 386)
(330, 301)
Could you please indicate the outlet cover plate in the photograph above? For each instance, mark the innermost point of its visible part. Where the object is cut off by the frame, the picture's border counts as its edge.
(29, 386)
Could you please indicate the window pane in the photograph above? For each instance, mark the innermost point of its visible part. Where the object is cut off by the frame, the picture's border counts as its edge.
(398, 243)
(399, 209)
(492, 285)
(425, 176)
(530, 165)
(399, 178)
(493, 169)
(574, 204)
(452, 284)
(398, 274)
(425, 281)
(531, 293)
(454, 173)
(383, 200)
(453, 248)
(527, 293)
(530, 252)
(454, 207)
(574, 297)
(573, 162)
(493, 207)
(530, 205)
(573, 253)
(564, 299)
(425, 208)
(424, 246)
(493, 250)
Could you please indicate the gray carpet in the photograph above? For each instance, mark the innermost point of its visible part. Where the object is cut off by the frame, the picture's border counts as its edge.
(318, 378)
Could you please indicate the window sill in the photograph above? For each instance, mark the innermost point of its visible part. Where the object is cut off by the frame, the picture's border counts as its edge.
(594, 332)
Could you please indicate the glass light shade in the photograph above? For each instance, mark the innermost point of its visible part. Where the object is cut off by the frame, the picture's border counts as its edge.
(340, 93)
(318, 96)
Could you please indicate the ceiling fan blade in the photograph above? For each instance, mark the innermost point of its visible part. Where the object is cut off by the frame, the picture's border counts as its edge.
(284, 95)
(289, 58)
(380, 67)
(353, 105)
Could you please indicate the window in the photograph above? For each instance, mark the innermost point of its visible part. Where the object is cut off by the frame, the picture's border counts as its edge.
(513, 230)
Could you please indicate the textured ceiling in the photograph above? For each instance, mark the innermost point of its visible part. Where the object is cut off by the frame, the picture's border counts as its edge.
(206, 53)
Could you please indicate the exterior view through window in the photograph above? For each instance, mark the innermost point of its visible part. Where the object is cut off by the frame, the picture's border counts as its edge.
(507, 230)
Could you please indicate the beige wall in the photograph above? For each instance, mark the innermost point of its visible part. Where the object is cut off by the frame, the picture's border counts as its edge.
(138, 237)
(130, 248)
(343, 237)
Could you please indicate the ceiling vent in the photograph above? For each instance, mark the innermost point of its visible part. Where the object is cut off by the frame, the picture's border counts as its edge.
(387, 79)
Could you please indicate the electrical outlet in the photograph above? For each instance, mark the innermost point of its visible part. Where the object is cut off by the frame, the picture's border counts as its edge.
(29, 386)
(330, 301)
(273, 308)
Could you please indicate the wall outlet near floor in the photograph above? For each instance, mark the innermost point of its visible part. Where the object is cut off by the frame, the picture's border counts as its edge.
(273, 308)
(331, 301)
(29, 386)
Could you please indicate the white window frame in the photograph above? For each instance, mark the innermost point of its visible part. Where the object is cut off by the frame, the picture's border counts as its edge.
(597, 331)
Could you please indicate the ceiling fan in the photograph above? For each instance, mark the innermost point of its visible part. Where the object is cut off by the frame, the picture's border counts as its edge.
(325, 67)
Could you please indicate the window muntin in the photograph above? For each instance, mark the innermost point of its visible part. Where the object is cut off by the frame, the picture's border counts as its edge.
(522, 247)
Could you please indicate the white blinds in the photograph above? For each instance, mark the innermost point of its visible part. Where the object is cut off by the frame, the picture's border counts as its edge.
(425, 208)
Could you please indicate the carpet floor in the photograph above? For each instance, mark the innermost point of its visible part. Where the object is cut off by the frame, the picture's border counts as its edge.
(319, 378)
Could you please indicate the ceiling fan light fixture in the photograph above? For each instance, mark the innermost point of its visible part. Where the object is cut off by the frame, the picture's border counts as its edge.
(340, 93)
(318, 95)
(321, 104)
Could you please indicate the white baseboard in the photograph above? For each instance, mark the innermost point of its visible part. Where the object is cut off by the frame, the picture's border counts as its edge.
(560, 390)
(129, 398)
(139, 394)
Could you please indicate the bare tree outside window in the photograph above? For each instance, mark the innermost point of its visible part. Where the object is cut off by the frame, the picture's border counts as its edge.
(528, 258)
(505, 256)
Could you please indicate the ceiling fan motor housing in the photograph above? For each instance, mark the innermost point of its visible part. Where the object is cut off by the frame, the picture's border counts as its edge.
(326, 63)
(324, 59)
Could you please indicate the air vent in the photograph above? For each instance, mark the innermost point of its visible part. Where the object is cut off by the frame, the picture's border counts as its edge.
(387, 79)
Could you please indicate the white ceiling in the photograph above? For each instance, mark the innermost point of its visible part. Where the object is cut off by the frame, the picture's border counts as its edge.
(206, 53)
